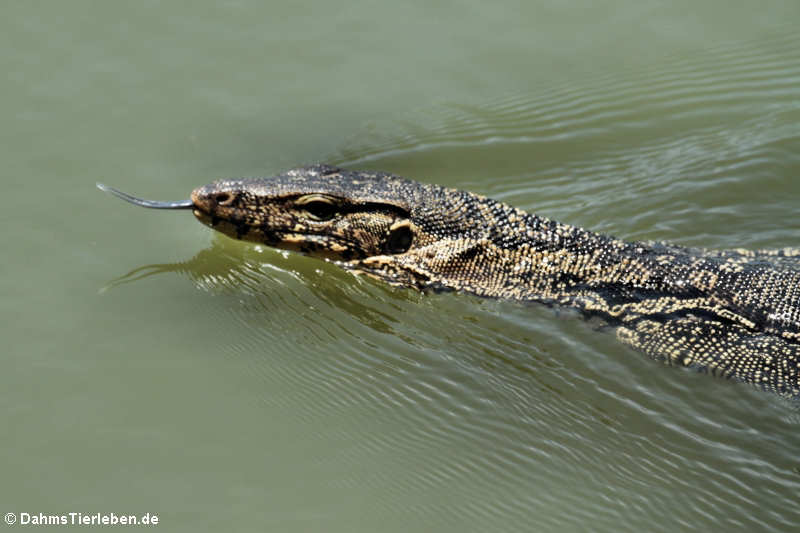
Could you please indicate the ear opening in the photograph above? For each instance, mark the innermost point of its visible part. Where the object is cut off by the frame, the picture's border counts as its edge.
(399, 237)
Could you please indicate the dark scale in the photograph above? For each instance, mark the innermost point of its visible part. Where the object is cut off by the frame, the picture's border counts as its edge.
(732, 313)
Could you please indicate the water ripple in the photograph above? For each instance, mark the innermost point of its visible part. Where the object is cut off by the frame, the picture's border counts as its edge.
(427, 400)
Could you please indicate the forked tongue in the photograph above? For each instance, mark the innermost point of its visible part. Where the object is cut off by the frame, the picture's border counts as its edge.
(153, 204)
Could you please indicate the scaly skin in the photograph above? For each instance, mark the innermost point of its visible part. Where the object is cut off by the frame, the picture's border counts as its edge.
(733, 313)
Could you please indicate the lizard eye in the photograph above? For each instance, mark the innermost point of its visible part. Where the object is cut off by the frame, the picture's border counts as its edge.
(317, 207)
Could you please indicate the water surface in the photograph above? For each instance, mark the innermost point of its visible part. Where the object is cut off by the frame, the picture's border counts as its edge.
(152, 366)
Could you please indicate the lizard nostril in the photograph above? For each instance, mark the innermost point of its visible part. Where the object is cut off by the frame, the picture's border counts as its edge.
(223, 198)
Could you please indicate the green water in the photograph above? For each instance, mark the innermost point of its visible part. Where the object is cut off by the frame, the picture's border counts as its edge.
(223, 386)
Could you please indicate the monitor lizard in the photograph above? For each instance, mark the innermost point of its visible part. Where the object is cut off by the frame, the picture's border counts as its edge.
(732, 313)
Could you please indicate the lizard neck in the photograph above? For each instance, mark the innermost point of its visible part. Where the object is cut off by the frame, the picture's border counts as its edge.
(505, 252)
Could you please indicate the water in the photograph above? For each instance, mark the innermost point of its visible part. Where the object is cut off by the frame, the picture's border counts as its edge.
(151, 366)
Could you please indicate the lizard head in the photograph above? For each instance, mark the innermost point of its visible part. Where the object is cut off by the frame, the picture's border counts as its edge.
(379, 224)
(320, 211)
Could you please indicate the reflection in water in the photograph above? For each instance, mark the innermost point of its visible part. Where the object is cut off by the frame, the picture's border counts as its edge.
(225, 264)
(235, 267)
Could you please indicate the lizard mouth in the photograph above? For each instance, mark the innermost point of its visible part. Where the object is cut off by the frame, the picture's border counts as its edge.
(314, 244)
(202, 216)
